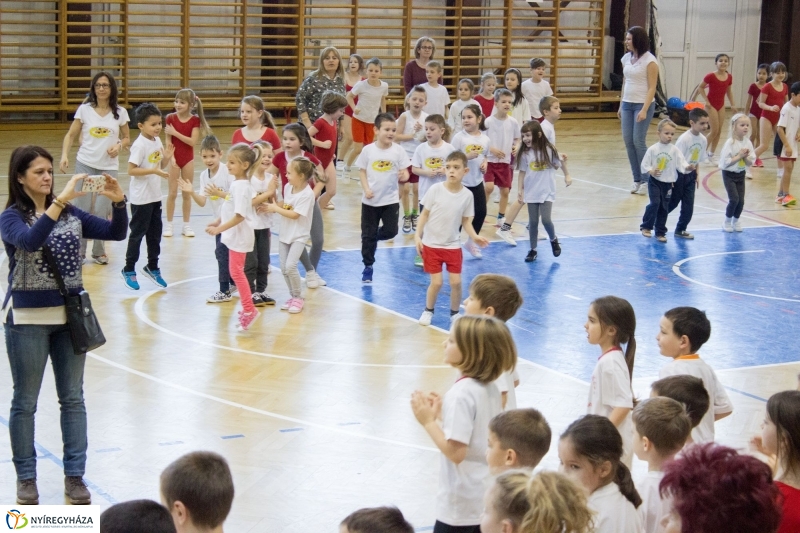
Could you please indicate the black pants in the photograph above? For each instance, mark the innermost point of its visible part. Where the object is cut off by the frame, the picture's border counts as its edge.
(441, 527)
(683, 193)
(145, 224)
(372, 232)
(224, 272)
(479, 194)
(256, 263)
(655, 214)
(734, 186)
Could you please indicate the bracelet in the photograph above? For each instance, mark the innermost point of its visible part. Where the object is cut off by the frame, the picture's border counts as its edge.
(59, 203)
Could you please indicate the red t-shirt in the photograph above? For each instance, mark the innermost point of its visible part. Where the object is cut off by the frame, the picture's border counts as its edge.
(281, 163)
(790, 523)
(325, 132)
(487, 105)
(717, 89)
(269, 135)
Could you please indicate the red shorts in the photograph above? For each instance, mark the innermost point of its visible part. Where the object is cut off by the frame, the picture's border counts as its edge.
(787, 158)
(412, 178)
(434, 258)
(363, 132)
(500, 174)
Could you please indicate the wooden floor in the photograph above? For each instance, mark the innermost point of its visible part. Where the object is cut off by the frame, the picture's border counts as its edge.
(312, 411)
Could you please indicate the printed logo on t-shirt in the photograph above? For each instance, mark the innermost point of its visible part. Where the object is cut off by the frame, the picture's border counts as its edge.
(662, 161)
(538, 166)
(741, 163)
(288, 207)
(382, 166)
(434, 163)
(99, 132)
(474, 149)
(155, 157)
(694, 154)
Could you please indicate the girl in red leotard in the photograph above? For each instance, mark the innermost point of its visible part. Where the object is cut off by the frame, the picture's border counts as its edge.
(753, 92)
(353, 75)
(183, 131)
(324, 136)
(773, 95)
(258, 124)
(719, 86)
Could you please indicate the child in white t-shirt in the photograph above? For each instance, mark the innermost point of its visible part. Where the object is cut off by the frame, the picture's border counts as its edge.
(787, 129)
(382, 164)
(410, 134)
(371, 94)
(256, 264)
(438, 97)
(464, 91)
(736, 157)
(146, 167)
(692, 144)
(481, 348)
(536, 88)
(503, 132)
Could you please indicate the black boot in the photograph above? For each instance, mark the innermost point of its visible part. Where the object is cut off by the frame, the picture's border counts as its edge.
(556, 247)
(531, 257)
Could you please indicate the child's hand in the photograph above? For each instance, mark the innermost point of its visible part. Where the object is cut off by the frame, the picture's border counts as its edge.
(472, 155)
(655, 172)
(788, 150)
(262, 208)
(326, 145)
(521, 196)
(212, 230)
(161, 172)
(563, 157)
(514, 150)
(499, 154)
(744, 152)
(417, 127)
(691, 168)
(271, 208)
(484, 166)
(775, 108)
(186, 186)
(418, 244)
(483, 242)
(170, 130)
(213, 190)
(423, 409)
(403, 175)
(567, 180)
(357, 111)
(436, 403)
(169, 151)
(369, 194)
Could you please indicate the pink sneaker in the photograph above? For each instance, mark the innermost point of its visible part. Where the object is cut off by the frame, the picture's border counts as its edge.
(246, 320)
(287, 304)
(759, 163)
(296, 306)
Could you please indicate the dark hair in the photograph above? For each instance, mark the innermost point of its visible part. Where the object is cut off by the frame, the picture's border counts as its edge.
(712, 485)
(639, 40)
(299, 130)
(537, 62)
(441, 122)
(687, 390)
(137, 516)
(91, 98)
(777, 67)
(457, 155)
(332, 102)
(616, 312)
(383, 117)
(374, 61)
(525, 431)
(721, 55)
(664, 422)
(210, 142)
(21, 159)
(691, 322)
(502, 91)
(518, 96)
(783, 409)
(697, 113)
(201, 481)
(795, 88)
(497, 291)
(476, 110)
(764, 66)
(360, 62)
(377, 520)
(546, 102)
(145, 111)
(469, 83)
(539, 146)
(597, 439)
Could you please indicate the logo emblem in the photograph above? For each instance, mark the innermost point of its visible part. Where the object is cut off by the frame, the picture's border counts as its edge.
(16, 519)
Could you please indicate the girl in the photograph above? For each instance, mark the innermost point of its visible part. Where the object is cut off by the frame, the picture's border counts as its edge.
(297, 143)
(183, 131)
(297, 208)
(235, 223)
(353, 75)
(481, 348)
(590, 452)
(611, 323)
(258, 123)
(753, 92)
(773, 95)
(719, 86)
(737, 154)
(486, 97)
(410, 134)
(256, 265)
(520, 110)
(475, 144)
(545, 503)
(464, 91)
(324, 136)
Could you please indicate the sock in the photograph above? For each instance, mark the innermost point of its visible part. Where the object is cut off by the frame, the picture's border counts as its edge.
(453, 313)
(406, 213)
(506, 226)
(429, 310)
(413, 212)
(780, 172)
(501, 215)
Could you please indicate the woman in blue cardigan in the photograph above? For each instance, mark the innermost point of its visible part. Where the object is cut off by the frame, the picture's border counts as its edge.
(33, 310)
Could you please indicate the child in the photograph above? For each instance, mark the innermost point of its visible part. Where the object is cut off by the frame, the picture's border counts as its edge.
(256, 263)
(297, 208)
(660, 429)
(235, 223)
(183, 131)
(520, 109)
(736, 156)
(518, 439)
(481, 348)
(590, 450)
(411, 133)
(438, 98)
(545, 503)
(137, 516)
(376, 520)
(352, 75)
(448, 206)
(773, 95)
(215, 182)
(198, 491)
(690, 392)
(719, 86)
(464, 91)
(258, 123)
(788, 126)
(612, 323)
(146, 166)
(504, 134)
(536, 88)
(324, 136)
(692, 144)
(382, 165)
(753, 92)
(663, 161)
(683, 330)
(371, 94)
(485, 97)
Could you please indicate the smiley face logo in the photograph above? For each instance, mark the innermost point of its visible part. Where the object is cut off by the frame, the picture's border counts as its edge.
(155, 157)
(434, 163)
(382, 166)
(99, 133)
(474, 149)
(537, 166)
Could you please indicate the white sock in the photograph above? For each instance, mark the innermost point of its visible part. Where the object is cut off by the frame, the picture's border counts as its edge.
(780, 172)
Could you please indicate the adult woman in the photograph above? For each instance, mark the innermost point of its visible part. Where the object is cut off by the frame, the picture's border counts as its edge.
(640, 71)
(102, 128)
(414, 71)
(34, 312)
(329, 76)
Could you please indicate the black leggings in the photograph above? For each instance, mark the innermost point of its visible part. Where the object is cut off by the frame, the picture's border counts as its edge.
(479, 194)
(734, 186)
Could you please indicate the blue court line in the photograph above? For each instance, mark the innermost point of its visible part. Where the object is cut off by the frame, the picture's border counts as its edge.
(743, 393)
(107, 450)
(226, 437)
(289, 430)
(427, 528)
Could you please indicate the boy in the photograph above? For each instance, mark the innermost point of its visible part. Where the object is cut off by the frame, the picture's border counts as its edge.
(410, 134)
(371, 94)
(214, 185)
(448, 206)
(438, 98)
(660, 428)
(381, 165)
(683, 331)
(692, 144)
(517, 439)
(198, 491)
(690, 392)
(137, 516)
(376, 520)
(788, 126)
(146, 167)
(536, 88)
(503, 132)
(662, 161)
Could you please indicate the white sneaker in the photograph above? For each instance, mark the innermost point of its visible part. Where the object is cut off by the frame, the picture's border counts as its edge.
(636, 186)
(728, 225)
(425, 319)
(167, 231)
(472, 248)
(188, 231)
(340, 164)
(453, 318)
(321, 282)
(506, 236)
(642, 189)
(737, 224)
(312, 279)
(748, 174)
(500, 221)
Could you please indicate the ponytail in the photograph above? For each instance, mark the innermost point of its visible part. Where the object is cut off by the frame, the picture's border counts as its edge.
(189, 96)
(618, 313)
(624, 481)
(630, 355)
(247, 154)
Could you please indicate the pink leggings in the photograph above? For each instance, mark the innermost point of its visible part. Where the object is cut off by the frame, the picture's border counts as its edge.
(236, 261)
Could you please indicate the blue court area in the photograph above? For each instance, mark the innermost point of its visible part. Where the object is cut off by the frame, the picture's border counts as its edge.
(746, 282)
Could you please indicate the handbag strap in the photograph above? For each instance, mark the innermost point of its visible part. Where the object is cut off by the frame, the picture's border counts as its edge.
(51, 262)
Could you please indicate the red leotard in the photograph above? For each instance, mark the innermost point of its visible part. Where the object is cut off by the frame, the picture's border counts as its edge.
(774, 97)
(325, 132)
(184, 153)
(347, 88)
(281, 163)
(269, 135)
(717, 89)
(754, 91)
(487, 105)
(790, 523)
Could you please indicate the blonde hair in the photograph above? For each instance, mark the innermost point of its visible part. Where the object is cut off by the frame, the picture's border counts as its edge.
(734, 119)
(486, 347)
(257, 103)
(304, 166)
(666, 122)
(189, 96)
(320, 72)
(247, 154)
(435, 64)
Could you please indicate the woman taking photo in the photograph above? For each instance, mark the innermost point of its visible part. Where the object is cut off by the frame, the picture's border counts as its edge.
(329, 76)
(34, 314)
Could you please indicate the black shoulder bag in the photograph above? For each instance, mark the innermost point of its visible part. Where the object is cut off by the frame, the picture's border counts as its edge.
(84, 329)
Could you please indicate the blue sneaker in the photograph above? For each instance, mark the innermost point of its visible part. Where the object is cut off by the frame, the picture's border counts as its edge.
(155, 277)
(366, 275)
(130, 280)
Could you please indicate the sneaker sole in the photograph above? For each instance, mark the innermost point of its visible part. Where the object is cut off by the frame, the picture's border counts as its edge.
(210, 301)
(28, 502)
(85, 501)
(126, 284)
(148, 276)
(684, 237)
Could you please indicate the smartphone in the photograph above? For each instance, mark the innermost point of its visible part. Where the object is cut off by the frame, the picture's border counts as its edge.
(94, 183)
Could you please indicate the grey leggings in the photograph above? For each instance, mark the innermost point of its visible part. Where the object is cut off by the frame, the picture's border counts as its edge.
(290, 255)
(95, 204)
(545, 210)
(311, 260)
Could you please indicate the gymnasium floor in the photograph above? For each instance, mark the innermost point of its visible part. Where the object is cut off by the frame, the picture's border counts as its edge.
(312, 411)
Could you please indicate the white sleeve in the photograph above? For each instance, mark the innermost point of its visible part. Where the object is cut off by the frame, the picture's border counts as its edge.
(242, 201)
(137, 154)
(647, 161)
(416, 160)
(722, 404)
(680, 161)
(363, 159)
(458, 419)
(616, 387)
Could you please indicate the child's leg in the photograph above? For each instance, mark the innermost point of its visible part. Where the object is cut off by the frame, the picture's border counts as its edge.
(405, 190)
(355, 151)
(649, 218)
(489, 187)
(455, 291)
(290, 255)
(728, 179)
(663, 209)
(513, 211)
(140, 220)
(317, 236)
(388, 215)
(546, 212)
(433, 290)
(262, 249)
(172, 191)
(370, 218)
(503, 199)
(347, 137)
(786, 179)
(250, 268)
(414, 198)
(766, 131)
(236, 260)
(713, 135)
(223, 270)
(686, 198)
(533, 222)
(740, 185)
(754, 128)
(187, 173)
(330, 186)
(479, 201)
(153, 236)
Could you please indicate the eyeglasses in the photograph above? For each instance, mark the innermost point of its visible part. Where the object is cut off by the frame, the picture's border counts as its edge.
(426, 47)
(102, 86)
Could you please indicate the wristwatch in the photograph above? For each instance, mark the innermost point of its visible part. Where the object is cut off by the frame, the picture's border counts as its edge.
(121, 203)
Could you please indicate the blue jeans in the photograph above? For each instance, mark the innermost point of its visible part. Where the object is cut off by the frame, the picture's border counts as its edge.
(683, 193)
(635, 136)
(28, 347)
(655, 214)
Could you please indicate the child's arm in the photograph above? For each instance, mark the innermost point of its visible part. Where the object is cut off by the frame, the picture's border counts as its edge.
(351, 100)
(521, 186)
(362, 175)
(648, 165)
(421, 221)
(749, 103)
(275, 208)
(169, 151)
(312, 132)
(720, 416)
(785, 140)
(618, 414)
(516, 145)
(425, 409)
(700, 89)
(567, 177)
(483, 242)
(186, 186)
(136, 171)
(419, 171)
(383, 104)
(214, 230)
(172, 132)
(263, 197)
(215, 222)
(401, 126)
(729, 92)
(762, 103)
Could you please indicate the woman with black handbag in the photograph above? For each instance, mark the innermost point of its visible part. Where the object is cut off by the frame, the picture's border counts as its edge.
(34, 312)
